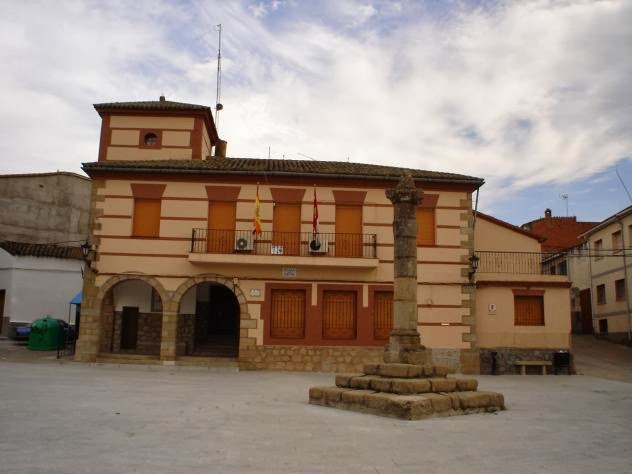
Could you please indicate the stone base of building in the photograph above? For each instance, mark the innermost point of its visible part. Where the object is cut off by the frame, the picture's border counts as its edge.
(505, 357)
(406, 391)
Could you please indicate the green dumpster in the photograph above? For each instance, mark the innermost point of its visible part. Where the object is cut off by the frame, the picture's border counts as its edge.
(46, 335)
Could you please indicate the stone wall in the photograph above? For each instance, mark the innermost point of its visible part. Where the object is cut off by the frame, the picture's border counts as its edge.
(149, 332)
(506, 356)
(185, 338)
(309, 358)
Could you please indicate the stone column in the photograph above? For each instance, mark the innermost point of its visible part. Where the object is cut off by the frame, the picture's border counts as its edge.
(404, 344)
(88, 343)
(168, 336)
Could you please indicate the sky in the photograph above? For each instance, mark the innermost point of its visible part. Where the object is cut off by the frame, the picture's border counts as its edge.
(533, 96)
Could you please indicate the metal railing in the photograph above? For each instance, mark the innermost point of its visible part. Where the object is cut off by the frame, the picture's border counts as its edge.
(301, 244)
(534, 263)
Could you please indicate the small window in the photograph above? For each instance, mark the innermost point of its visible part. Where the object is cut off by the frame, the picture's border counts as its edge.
(528, 310)
(601, 294)
(619, 289)
(617, 241)
(151, 139)
(598, 249)
(562, 268)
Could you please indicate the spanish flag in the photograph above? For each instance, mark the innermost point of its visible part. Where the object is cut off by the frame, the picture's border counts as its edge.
(257, 221)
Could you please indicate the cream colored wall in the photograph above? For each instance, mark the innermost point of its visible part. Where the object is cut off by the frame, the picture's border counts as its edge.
(140, 121)
(170, 138)
(440, 283)
(125, 137)
(207, 147)
(498, 329)
(608, 269)
(496, 238)
(132, 293)
(127, 153)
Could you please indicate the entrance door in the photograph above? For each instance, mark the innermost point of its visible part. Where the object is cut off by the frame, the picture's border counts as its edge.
(586, 311)
(286, 226)
(129, 327)
(221, 227)
(348, 231)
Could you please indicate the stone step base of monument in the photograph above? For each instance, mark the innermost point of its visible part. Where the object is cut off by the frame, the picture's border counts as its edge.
(406, 391)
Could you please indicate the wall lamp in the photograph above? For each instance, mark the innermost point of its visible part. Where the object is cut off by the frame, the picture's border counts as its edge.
(473, 266)
(86, 250)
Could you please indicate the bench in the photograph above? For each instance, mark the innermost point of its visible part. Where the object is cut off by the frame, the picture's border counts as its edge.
(542, 363)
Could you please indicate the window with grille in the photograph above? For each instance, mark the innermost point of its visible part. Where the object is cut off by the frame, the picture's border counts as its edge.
(339, 314)
(601, 294)
(287, 313)
(529, 310)
(146, 221)
(619, 289)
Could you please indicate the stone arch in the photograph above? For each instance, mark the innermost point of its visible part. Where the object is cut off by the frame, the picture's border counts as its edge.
(115, 280)
(210, 278)
(230, 284)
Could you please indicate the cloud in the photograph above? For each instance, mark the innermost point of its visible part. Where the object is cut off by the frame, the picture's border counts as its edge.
(520, 94)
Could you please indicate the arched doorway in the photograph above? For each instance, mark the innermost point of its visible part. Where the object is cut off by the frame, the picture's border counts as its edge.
(208, 322)
(131, 318)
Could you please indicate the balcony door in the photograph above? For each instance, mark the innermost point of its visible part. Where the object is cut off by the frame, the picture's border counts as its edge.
(221, 227)
(286, 226)
(348, 231)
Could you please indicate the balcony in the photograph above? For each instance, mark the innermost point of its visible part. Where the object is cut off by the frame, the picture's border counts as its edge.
(524, 263)
(283, 248)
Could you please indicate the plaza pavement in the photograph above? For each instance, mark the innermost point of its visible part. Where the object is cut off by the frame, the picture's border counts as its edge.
(69, 417)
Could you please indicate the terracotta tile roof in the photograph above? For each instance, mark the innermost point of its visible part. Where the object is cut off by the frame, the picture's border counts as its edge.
(560, 232)
(271, 167)
(152, 105)
(22, 249)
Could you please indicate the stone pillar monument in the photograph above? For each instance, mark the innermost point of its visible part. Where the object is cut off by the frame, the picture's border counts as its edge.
(404, 344)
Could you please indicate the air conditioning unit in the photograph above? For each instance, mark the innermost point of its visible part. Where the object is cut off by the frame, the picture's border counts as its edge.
(243, 243)
(318, 246)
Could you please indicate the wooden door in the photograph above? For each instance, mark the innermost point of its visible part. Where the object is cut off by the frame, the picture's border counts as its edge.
(586, 311)
(221, 227)
(339, 315)
(287, 313)
(382, 314)
(286, 226)
(129, 327)
(348, 231)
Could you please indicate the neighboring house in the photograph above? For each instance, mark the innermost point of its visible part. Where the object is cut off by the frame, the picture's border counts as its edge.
(521, 310)
(43, 220)
(178, 275)
(559, 233)
(37, 280)
(44, 208)
(610, 269)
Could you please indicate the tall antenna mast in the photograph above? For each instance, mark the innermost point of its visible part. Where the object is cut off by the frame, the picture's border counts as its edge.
(218, 104)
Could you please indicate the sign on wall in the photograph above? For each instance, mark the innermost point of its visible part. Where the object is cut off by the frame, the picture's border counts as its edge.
(288, 272)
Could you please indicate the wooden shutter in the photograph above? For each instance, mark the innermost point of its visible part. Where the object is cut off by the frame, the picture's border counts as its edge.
(425, 226)
(287, 314)
(286, 225)
(339, 315)
(382, 314)
(529, 310)
(221, 226)
(146, 218)
(348, 231)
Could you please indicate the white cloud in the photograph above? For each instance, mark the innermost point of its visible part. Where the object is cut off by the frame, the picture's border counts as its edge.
(522, 94)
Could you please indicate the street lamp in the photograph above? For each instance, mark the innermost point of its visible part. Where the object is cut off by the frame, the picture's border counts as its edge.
(473, 266)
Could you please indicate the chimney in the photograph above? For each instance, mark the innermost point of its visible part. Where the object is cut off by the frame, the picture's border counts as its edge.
(162, 98)
(220, 148)
(547, 213)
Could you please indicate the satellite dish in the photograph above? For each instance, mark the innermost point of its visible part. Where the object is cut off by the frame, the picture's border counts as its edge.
(219, 107)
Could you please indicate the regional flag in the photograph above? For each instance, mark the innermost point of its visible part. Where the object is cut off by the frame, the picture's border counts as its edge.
(257, 220)
(315, 223)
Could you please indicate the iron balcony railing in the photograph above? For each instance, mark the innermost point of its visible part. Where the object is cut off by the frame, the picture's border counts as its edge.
(534, 263)
(301, 244)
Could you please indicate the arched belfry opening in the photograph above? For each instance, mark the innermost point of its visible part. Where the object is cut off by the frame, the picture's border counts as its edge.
(208, 322)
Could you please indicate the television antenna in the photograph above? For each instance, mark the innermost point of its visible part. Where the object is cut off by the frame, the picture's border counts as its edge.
(218, 104)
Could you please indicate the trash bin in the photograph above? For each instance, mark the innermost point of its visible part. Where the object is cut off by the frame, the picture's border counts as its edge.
(562, 360)
(46, 335)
